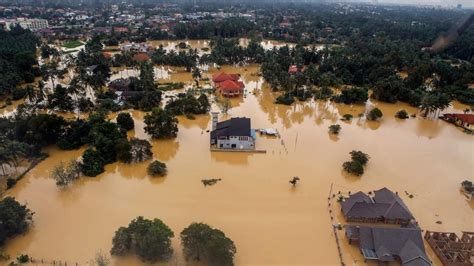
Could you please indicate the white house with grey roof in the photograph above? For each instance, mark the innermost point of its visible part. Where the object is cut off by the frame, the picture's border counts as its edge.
(234, 134)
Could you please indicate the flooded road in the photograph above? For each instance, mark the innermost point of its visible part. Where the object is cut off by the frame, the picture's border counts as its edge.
(270, 221)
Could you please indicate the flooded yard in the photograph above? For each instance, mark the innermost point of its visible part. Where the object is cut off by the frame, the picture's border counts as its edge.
(270, 221)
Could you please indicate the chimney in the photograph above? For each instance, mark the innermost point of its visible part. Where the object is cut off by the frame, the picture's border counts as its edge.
(214, 120)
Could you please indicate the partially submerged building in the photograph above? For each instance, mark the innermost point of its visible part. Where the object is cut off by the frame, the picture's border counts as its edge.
(235, 133)
(228, 85)
(465, 121)
(385, 245)
(450, 249)
(385, 206)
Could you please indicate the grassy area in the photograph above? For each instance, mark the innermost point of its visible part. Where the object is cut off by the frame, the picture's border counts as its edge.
(72, 44)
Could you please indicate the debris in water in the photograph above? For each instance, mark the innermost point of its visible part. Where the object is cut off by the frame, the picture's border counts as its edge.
(210, 182)
(439, 222)
(294, 180)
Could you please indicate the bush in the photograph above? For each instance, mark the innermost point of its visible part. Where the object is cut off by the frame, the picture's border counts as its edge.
(359, 157)
(352, 95)
(347, 117)
(11, 182)
(200, 241)
(374, 114)
(353, 167)
(334, 129)
(125, 121)
(157, 168)
(285, 99)
(402, 114)
(149, 239)
(23, 258)
(92, 163)
(18, 93)
(65, 174)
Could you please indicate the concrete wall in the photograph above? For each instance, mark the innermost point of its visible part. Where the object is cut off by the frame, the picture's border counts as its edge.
(240, 143)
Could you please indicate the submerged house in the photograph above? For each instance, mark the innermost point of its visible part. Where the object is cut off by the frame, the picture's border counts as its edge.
(235, 134)
(403, 245)
(465, 121)
(451, 249)
(228, 85)
(385, 206)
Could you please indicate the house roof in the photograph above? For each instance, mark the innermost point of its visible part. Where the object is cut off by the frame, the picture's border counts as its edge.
(230, 85)
(384, 204)
(466, 118)
(141, 57)
(220, 77)
(389, 243)
(238, 126)
(293, 69)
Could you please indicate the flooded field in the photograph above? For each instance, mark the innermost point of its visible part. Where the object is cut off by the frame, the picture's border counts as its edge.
(270, 221)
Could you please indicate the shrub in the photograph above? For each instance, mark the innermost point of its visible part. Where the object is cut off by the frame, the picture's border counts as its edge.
(359, 157)
(11, 182)
(18, 93)
(353, 167)
(92, 163)
(157, 168)
(347, 117)
(125, 121)
(352, 95)
(334, 129)
(374, 114)
(65, 174)
(23, 258)
(200, 241)
(402, 114)
(285, 99)
(149, 239)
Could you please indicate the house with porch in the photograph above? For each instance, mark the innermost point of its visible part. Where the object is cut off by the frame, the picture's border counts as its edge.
(385, 206)
(232, 134)
(387, 245)
(229, 85)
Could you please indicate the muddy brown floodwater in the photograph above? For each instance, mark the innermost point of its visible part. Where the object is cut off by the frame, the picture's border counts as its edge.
(270, 221)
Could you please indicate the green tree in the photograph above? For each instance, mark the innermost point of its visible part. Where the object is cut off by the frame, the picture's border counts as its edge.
(92, 163)
(161, 124)
(125, 121)
(149, 239)
(202, 242)
(157, 168)
(374, 114)
(65, 174)
(334, 129)
(15, 219)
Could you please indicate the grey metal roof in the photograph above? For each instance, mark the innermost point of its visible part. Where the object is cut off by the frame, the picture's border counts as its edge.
(389, 243)
(237, 126)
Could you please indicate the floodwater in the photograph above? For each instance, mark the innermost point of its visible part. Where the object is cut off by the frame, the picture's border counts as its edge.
(270, 221)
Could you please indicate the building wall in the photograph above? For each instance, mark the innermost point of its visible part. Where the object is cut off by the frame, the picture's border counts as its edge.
(240, 143)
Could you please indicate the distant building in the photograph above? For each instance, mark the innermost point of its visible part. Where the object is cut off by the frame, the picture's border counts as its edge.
(25, 23)
(234, 133)
(293, 69)
(141, 57)
(385, 206)
(385, 245)
(228, 84)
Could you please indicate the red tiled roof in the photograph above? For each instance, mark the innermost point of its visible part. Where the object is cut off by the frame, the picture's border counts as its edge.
(466, 118)
(107, 55)
(230, 85)
(141, 57)
(220, 77)
(293, 69)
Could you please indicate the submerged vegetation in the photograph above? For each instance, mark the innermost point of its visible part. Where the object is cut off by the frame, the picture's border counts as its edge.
(357, 163)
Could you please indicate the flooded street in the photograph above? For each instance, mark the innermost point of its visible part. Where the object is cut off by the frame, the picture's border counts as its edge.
(270, 221)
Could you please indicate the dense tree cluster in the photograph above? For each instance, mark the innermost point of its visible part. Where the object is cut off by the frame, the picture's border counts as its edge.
(203, 243)
(188, 104)
(161, 124)
(149, 239)
(357, 163)
(17, 58)
(15, 219)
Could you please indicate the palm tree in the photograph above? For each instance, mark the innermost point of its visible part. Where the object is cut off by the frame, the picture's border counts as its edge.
(197, 75)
